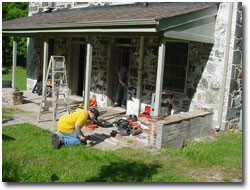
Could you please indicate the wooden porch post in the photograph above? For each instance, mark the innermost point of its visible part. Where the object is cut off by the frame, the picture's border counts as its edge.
(88, 74)
(159, 79)
(14, 64)
(139, 82)
(45, 65)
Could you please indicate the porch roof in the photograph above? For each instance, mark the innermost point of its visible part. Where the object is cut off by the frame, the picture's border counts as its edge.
(156, 17)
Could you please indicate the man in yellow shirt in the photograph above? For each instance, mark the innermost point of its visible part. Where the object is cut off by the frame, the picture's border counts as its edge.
(69, 125)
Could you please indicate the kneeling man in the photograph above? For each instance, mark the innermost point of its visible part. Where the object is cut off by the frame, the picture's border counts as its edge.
(69, 125)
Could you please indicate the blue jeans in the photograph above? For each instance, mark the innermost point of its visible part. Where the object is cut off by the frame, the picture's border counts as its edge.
(121, 95)
(70, 138)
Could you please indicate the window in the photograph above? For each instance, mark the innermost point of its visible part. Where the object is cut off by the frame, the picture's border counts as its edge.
(122, 3)
(51, 47)
(49, 5)
(175, 69)
(80, 4)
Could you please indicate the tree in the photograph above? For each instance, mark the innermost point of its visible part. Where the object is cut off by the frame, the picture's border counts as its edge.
(13, 10)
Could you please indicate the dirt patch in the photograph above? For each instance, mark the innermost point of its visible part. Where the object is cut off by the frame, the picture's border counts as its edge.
(11, 109)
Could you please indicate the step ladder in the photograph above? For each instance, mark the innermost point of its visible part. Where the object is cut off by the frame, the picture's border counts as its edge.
(58, 81)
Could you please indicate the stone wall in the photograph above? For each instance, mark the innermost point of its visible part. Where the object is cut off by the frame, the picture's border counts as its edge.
(149, 72)
(62, 48)
(205, 69)
(99, 69)
(234, 88)
(174, 130)
(34, 61)
(207, 94)
(12, 98)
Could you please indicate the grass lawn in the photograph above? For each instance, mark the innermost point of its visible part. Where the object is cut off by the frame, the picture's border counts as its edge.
(28, 156)
(20, 76)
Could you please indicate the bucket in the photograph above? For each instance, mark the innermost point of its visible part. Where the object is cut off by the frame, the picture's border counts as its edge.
(147, 109)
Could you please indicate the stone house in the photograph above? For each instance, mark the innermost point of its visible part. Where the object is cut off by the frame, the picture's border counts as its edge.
(192, 49)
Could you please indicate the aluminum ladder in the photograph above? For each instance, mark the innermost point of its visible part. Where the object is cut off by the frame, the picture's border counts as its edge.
(57, 71)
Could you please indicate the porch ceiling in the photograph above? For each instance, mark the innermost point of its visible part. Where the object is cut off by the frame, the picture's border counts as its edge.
(175, 19)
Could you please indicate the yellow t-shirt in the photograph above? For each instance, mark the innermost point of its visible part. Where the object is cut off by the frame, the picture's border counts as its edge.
(67, 122)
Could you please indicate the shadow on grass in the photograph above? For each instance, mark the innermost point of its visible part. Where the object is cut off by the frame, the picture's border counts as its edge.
(11, 172)
(54, 177)
(7, 138)
(125, 171)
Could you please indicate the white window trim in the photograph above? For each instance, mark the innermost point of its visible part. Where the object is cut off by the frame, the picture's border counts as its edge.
(122, 3)
(187, 67)
(47, 8)
(80, 5)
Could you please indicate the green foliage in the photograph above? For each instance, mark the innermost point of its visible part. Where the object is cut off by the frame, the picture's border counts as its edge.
(20, 76)
(13, 10)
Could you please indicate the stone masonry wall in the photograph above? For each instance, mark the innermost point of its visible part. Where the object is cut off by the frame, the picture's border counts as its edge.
(234, 87)
(205, 69)
(149, 72)
(62, 48)
(207, 94)
(35, 57)
(174, 130)
(33, 65)
(99, 69)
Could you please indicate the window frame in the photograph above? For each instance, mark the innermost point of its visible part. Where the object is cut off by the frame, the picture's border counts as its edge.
(80, 5)
(122, 3)
(187, 66)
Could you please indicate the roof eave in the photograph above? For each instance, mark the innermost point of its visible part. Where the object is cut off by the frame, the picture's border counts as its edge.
(115, 24)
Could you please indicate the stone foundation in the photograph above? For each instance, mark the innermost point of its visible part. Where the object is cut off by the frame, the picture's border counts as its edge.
(12, 98)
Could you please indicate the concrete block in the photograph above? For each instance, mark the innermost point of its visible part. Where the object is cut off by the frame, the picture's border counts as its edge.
(177, 142)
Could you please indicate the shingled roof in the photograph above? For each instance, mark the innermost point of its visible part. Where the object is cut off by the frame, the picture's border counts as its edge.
(104, 16)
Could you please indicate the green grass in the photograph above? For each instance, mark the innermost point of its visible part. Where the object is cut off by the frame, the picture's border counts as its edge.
(224, 155)
(20, 76)
(28, 156)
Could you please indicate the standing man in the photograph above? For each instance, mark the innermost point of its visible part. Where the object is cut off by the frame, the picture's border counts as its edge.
(121, 94)
(69, 125)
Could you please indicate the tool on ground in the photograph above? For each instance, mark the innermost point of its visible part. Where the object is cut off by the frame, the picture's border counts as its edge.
(127, 125)
(57, 70)
(136, 132)
(92, 102)
(146, 113)
(91, 127)
(103, 123)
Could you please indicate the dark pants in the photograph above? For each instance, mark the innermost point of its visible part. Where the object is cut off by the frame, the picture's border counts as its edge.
(121, 95)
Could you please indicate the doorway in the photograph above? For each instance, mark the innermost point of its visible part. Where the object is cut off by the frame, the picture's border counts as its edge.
(77, 76)
(120, 55)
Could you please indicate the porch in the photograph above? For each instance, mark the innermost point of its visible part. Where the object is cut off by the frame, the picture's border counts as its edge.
(157, 50)
(172, 130)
